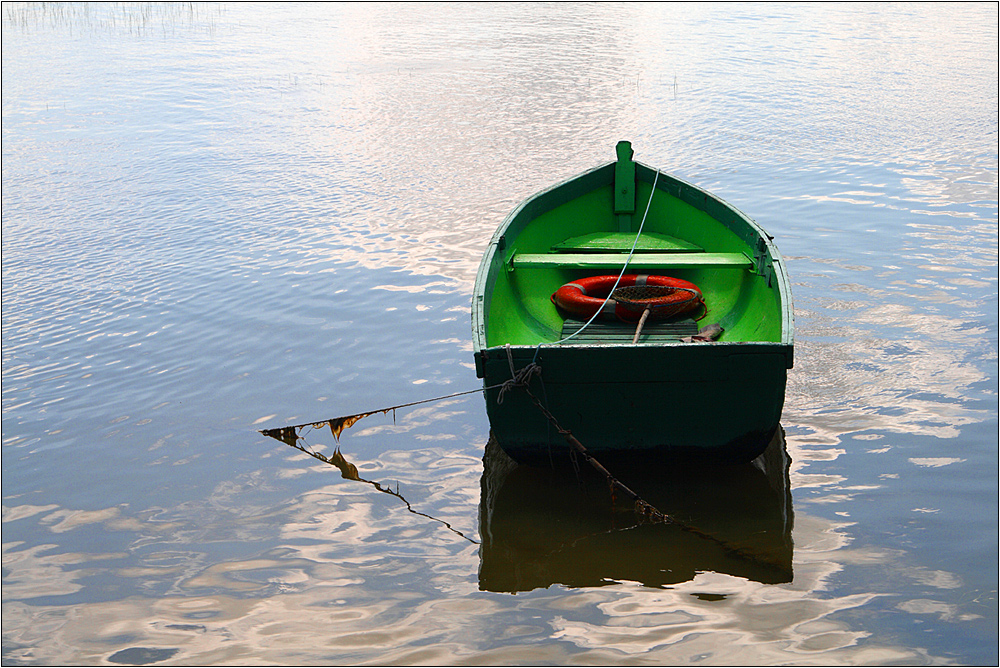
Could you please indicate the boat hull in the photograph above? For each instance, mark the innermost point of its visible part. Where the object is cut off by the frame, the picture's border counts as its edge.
(622, 393)
(679, 401)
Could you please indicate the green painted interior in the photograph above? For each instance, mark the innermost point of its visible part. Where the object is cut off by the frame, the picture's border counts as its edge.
(581, 217)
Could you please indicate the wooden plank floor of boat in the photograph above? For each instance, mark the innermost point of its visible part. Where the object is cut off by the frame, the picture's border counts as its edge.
(601, 331)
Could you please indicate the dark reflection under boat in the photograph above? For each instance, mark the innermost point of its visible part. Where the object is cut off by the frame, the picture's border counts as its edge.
(541, 527)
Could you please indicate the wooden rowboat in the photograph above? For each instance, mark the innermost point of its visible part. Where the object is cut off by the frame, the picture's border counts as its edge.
(665, 394)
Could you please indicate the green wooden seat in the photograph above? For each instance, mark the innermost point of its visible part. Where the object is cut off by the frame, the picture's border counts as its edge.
(639, 260)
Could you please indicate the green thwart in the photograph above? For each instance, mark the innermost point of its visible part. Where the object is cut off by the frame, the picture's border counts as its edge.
(665, 395)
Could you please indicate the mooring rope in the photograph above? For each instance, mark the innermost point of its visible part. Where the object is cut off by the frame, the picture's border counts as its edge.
(519, 379)
(343, 422)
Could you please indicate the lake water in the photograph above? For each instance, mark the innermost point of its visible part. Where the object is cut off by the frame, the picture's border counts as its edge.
(225, 218)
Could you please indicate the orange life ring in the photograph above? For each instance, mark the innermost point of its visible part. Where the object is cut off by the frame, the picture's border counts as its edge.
(584, 297)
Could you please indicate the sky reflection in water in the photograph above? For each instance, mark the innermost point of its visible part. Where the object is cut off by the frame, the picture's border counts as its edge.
(222, 218)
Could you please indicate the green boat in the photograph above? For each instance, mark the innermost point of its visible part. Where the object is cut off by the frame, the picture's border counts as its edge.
(661, 391)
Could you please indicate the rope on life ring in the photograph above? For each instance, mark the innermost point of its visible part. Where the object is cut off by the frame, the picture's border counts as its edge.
(584, 297)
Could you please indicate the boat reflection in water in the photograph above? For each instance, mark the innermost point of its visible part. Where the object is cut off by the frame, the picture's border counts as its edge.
(541, 527)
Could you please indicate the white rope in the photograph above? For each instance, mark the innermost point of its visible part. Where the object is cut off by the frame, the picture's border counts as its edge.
(627, 260)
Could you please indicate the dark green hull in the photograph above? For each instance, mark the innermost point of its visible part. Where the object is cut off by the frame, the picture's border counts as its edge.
(690, 401)
(660, 396)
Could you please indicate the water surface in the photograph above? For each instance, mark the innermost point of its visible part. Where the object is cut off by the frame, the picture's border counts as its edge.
(223, 218)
